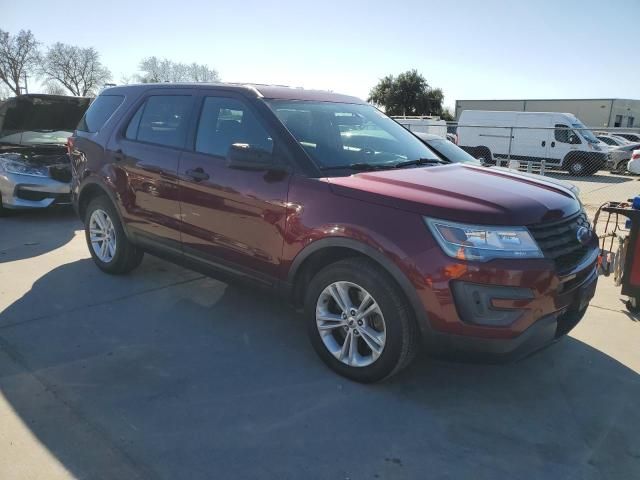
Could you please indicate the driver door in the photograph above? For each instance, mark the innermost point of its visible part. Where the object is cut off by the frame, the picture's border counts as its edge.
(232, 218)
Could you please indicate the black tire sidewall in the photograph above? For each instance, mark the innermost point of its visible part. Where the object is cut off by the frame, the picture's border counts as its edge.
(379, 286)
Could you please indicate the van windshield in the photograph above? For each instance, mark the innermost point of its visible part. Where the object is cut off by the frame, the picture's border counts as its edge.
(586, 134)
(337, 135)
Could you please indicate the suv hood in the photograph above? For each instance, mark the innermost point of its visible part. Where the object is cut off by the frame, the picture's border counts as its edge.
(22, 117)
(462, 193)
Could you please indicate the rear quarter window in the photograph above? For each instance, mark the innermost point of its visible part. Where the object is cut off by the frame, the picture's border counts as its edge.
(99, 112)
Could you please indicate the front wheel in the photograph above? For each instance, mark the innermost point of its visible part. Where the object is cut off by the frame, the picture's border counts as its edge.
(108, 244)
(359, 322)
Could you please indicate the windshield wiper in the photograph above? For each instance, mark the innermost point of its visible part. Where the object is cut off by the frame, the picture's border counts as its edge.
(360, 166)
(421, 161)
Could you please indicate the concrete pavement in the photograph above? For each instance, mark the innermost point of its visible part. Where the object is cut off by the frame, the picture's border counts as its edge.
(167, 374)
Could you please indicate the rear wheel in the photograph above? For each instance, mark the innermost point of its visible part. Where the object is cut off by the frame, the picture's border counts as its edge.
(359, 322)
(108, 244)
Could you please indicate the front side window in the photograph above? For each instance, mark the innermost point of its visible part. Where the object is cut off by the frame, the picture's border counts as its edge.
(564, 134)
(99, 112)
(225, 121)
(162, 119)
(343, 134)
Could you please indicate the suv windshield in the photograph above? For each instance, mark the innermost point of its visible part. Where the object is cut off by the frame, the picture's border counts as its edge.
(339, 135)
(586, 134)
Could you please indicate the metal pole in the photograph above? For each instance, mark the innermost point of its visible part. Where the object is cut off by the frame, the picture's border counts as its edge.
(510, 142)
(543, 165)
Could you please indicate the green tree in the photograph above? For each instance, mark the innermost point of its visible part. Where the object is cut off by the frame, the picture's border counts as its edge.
(407, 94)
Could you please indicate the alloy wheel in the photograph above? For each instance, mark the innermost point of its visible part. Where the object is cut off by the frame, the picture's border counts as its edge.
(351, 324)
(102, 235)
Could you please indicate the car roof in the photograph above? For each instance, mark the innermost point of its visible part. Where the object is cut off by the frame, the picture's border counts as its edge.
(278, 92)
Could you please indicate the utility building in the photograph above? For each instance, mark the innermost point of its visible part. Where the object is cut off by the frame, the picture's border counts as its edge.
(603, 112)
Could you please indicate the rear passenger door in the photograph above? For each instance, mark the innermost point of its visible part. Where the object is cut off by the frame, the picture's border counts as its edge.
(232, 218)
(146, 152)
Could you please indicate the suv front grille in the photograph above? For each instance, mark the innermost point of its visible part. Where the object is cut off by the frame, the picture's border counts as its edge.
(559, 242)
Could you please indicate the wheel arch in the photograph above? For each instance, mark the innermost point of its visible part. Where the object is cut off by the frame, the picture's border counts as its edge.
(90, 190)
(329, 250)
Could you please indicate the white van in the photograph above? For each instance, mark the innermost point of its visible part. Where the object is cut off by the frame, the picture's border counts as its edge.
(431, 125)
(560, 139)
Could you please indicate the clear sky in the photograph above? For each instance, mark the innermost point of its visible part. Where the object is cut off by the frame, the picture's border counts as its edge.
(471, 49)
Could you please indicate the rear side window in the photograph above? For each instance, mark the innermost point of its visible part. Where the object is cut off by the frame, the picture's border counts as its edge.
(99, 112)
(225, 121)
(163, 120)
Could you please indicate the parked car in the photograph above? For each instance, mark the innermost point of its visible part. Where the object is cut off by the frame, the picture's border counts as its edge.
(34, 165)
(634, 162)
(619, 157)
(632, 137)
(454, 154)
(345, 213)
(560, 139)
(613, 140)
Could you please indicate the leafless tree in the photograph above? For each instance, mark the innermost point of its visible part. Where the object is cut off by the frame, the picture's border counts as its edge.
(157, 70)
(54, 88)
(77, 69)
(202, 73)
(18, 57)
(4, 92)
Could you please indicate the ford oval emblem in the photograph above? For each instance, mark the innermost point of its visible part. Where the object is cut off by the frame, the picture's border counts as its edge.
(584, 235)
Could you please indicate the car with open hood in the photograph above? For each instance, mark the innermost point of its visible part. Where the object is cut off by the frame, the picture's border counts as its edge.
(382, 244)
(34, 162)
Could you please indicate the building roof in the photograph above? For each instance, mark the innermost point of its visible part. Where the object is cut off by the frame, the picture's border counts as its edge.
(547, 100)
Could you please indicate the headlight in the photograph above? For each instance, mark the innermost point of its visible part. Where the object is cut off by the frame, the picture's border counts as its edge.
(20, 168)
(483, 243)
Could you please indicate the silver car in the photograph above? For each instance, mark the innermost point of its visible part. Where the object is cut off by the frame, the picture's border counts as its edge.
(34, 165)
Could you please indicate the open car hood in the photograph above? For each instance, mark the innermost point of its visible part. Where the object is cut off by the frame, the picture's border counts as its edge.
(39, 112)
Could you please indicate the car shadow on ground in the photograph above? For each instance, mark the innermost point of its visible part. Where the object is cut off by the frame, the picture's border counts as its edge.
(202, 379)
(43, 231)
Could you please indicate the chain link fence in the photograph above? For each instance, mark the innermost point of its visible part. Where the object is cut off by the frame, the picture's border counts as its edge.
(593, 159)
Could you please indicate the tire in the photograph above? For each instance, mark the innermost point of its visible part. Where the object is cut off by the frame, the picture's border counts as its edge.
(124, 256)
(483, 153)
(392, 323)
(579, 168)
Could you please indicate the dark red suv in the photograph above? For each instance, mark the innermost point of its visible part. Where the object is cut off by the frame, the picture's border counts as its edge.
(341, 210)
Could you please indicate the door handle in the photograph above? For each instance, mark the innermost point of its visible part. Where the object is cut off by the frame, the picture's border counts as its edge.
(544, 143)
(118, 155)
(197, 174)
(553, 144)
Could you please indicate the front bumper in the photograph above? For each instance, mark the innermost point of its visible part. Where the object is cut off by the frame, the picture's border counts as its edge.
(557, 302)
(27, 192)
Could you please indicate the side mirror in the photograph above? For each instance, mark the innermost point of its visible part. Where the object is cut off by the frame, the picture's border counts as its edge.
(573, 139)
(249, 157)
